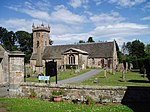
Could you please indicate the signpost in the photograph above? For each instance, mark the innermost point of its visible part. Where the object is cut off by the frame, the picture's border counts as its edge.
(45, 78)
(51, 69)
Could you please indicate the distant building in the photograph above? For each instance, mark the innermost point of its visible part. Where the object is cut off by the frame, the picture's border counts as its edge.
(96, 55)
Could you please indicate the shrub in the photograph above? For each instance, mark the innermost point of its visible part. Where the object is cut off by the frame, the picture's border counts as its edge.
(57, 93)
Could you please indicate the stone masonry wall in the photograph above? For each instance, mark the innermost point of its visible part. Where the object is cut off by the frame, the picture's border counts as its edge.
(103, 94)
(98, 94)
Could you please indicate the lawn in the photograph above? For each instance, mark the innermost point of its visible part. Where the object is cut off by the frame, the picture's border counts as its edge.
(28, 105)
(132, 79)
(61, 75)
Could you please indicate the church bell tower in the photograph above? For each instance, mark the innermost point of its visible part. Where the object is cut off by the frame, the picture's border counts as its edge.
(40, 41)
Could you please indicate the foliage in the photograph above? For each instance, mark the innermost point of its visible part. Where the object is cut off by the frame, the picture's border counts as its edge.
(25, 41)
(57, 93)
(147, 67)
(81, 41)
(118, 53)
(137, 49)
(33, 93)
(90, 39)
(71, 66)
(147, 49)
(19, 40)
(8, 39)
(27, 105)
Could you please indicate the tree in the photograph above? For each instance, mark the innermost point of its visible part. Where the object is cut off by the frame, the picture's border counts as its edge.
(118, 52)
(25, 41)
(147, 49)
(137, 49)
(81, 41)
(8, 39)
(128, 47)
(90, 39)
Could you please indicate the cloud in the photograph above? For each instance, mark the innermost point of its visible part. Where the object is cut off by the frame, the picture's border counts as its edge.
(104, 18)
(78, 3)
(147, 6)
(126, 3)
(61, 29)
(146, 18)
(38, 10)
(62, 14)
(19, 24)
(121, 30)
(98, 2)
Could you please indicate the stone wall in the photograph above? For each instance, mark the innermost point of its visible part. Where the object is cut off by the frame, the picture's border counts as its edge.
(98, 94)
(103, 94)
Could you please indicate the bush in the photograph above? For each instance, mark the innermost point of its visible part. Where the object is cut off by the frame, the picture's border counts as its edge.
(71, 66)
(147, 67)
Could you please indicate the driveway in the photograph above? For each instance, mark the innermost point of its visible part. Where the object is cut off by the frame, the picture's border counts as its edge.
(80, 78)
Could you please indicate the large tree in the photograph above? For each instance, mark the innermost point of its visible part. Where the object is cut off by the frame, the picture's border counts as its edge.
(8, 39)
(147, 49)
(137, 49)
(90, 39)
(25, 41)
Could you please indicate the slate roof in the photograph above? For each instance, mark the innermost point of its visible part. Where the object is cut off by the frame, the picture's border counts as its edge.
(95, 50)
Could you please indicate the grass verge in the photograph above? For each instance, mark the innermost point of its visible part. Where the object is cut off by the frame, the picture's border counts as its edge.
(61, 75)
(132, 79)
(27, 105)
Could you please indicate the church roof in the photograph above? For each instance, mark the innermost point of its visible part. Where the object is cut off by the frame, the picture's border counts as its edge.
(95, 50)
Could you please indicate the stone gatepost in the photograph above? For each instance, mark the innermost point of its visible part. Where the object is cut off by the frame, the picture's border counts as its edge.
(16, 71)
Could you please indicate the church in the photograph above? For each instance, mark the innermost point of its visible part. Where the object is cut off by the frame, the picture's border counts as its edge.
(79, 56)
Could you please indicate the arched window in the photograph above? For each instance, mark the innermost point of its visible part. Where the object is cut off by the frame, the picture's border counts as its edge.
(38, 43)
(71, 59)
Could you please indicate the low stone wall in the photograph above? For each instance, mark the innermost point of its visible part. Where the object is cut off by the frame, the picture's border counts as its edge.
(103, 94)
(97, 93)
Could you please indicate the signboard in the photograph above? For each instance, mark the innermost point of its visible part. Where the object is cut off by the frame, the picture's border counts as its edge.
(51, 68)
(44, 78)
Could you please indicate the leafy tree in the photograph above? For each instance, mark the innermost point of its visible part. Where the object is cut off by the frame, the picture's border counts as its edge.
(8, 39)
(128, 47)
(90, 39)
(25, 41)
(147, 49)
(137, 49)
(119, 54)
(81, 41)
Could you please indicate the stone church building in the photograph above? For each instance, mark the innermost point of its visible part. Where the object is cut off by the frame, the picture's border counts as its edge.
(95, 55)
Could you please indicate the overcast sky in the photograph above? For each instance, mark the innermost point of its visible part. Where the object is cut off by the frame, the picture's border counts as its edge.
(74, 20)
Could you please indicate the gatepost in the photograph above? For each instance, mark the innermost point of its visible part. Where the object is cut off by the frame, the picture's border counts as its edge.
(16, 71)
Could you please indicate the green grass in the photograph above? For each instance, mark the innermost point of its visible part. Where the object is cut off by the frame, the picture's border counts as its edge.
(132, 79)
(28, 105)
(61, 75)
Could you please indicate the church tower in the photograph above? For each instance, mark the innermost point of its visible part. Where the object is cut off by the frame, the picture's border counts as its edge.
(40, 41)
(40, 37)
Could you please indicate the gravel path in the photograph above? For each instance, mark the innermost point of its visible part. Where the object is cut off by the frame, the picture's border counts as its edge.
(80, 78)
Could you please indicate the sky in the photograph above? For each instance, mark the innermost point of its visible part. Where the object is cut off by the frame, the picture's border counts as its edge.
(74, 20)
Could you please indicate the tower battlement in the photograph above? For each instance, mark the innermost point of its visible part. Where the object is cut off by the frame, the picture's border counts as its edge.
(40, 28)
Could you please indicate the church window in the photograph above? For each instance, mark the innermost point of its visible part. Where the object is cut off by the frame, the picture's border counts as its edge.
(71, 60)
(37, 34)
(38, 43)
(93, 61)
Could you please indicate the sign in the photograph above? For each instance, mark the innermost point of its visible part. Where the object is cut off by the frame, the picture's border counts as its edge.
(51, 68)
(44, 77)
